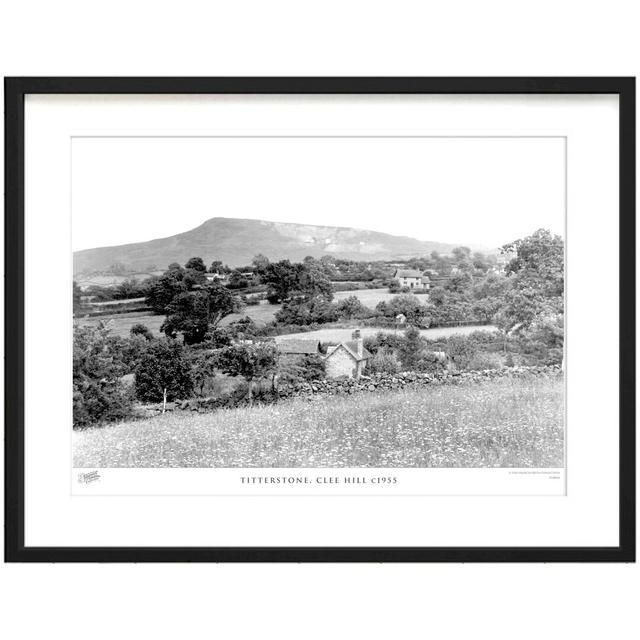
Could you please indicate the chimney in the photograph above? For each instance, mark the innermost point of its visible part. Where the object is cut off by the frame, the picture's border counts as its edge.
(358, 340)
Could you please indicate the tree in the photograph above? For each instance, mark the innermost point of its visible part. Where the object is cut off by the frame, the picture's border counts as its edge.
(299, 312)
(411, 349)
(220, 303)
(538, 264)
(203, 369)
(164, 289)
(99, 362)
(187, 314)
(406, 304)
(163, 372)
(303, 281)
(260, 263)
(437, 296)
(459, 283)
(237, 280)
(461, 350)
(197, 264)
(129, 288)
(251, 361)
(281, 279)
(192, 313)
(312, 283)
(394, 286)
(481, 262)
(351, 307)
(216, 266)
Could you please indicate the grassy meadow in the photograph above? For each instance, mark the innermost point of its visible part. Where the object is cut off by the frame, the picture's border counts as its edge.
(368, 297)
(121, 323)
(498, 423)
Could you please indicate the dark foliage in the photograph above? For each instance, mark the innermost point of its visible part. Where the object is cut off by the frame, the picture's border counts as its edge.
(99, 362)
(163, 365)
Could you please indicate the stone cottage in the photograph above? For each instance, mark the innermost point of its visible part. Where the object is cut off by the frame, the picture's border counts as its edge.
(348, 358)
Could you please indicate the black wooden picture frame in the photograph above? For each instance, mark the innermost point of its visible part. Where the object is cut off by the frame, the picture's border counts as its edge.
(15, 91)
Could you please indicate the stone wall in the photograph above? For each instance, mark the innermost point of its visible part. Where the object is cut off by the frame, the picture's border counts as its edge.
(409, 379)
(349, 386)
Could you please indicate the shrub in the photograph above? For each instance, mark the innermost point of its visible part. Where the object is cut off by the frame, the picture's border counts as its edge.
(431, 362)
(316, 311)
(481, 361)
(303, 369)
(461, 351)
(254, 362)
(407, 305)
(99, 362)
(100, 401)
(141, 330)
(351, 307)
(384, 361)
(382, 340)
(411, 349)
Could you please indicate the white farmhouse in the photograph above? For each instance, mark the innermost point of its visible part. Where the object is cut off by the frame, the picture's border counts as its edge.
(412, 278)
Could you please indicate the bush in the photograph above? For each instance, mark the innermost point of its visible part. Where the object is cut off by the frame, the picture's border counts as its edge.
(407, 305)
(351, 308)
(99, 362)
(316, 311)
(141, 330)
(461, 351)
(303, 369)
(100, 401)
(384, 361)
(481, 361)
(382, 340)
(411, 349)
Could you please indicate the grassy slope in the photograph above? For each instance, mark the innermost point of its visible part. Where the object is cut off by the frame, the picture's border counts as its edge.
(498, 423)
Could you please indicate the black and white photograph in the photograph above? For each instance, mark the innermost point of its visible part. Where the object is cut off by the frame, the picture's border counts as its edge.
(315, 320)
(318, 302)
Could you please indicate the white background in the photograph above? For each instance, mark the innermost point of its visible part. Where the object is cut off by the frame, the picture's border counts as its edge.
(586, 516)
(135, 189)
(332, 38)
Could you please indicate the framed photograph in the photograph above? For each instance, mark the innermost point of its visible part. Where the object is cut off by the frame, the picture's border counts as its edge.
(320, 319)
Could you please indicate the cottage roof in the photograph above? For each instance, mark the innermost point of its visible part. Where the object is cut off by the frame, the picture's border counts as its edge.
(407, 273)
(351, 347)
(299, 346)
(425, 280)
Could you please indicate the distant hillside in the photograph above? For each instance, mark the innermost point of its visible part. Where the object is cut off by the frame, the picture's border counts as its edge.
(236, 241)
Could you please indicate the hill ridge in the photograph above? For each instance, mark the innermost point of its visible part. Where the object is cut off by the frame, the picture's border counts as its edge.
(236, 241)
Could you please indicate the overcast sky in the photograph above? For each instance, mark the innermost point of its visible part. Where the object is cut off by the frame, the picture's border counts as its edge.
(481, 191)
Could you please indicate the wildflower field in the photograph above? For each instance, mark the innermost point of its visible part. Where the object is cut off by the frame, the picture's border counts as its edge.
(497, 423)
